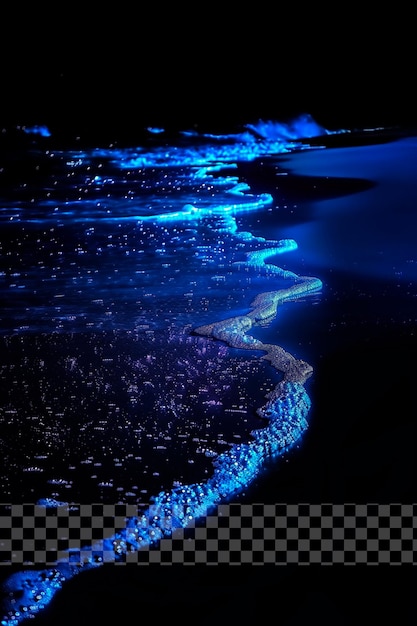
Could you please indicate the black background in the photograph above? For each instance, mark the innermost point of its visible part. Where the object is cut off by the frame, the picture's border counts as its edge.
(107, 74)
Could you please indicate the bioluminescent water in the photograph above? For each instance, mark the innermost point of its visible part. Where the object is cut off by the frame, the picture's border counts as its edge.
(143, 359)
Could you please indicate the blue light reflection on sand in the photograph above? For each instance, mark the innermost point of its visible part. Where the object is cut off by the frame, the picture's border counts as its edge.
(382, 247)
(287, 406)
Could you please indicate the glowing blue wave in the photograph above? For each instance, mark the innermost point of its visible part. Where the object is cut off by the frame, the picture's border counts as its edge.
(286, 411)
(287, 406)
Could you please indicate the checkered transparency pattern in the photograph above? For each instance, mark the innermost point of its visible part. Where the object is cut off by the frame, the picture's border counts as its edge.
(233, 534)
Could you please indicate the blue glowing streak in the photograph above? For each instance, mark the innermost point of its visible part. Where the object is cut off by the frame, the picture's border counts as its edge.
(154, 130)
(42, 131)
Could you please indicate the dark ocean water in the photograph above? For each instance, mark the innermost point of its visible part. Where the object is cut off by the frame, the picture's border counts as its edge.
(112, 257)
